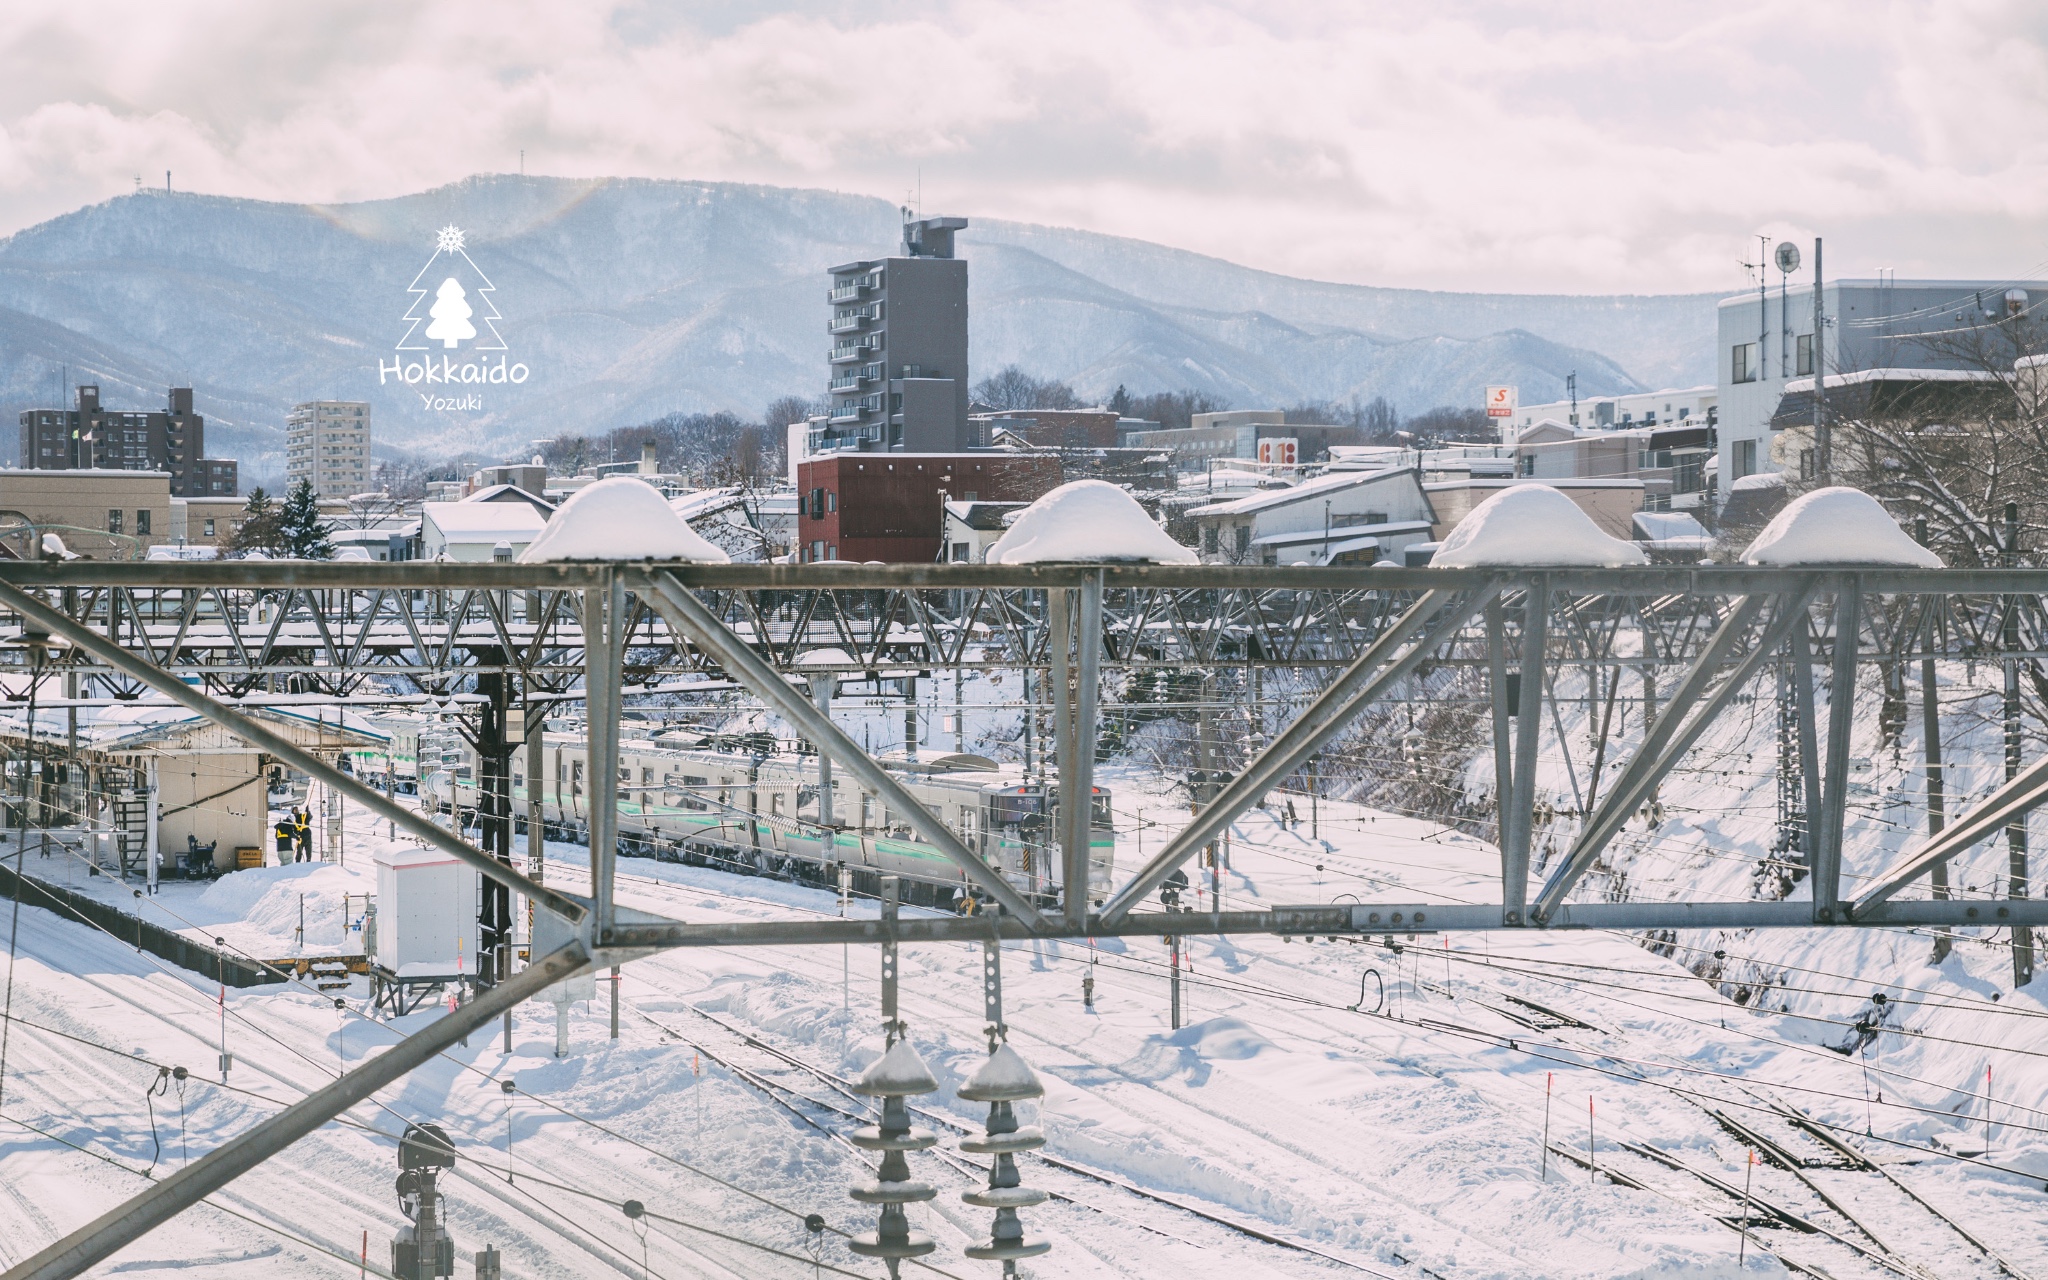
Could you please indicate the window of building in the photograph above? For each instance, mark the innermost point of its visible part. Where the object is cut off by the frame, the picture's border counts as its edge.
(1744, 368)
(1806, 464)
(142, 523)
(1744, 458)
(114, 521)
(1244, 539)
(960, 552)
(1802, 355)
(1525, 465)
(209, 529)
(1209, 540)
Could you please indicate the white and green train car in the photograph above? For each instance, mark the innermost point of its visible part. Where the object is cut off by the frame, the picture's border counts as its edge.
(760, 813)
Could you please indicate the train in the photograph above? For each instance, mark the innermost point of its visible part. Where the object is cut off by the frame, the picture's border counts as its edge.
(750, 803)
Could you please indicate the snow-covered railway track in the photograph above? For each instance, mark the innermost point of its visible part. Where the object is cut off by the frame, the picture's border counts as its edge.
(843, 1106)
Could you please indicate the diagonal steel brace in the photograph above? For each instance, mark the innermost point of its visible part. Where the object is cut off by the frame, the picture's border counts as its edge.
(2015, 800)
(684, 612)
(1676, 730)
(1363, 681)
(306, 762)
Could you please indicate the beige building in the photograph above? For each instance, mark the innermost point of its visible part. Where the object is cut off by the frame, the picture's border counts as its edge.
(206, 522)
(327, 442)
(1611, 503)
(106, 515)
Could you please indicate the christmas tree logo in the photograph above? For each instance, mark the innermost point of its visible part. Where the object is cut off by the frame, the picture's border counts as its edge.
(457, 314)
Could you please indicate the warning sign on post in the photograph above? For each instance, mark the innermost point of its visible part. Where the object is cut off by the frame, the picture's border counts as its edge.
(1500, 402)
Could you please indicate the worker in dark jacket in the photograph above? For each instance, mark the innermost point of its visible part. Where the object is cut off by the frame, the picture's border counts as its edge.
(286, 832)
(302, 823)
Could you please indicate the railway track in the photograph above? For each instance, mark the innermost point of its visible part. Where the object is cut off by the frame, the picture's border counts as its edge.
(831, 1106)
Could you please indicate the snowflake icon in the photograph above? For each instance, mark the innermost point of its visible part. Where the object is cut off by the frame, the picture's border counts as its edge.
(448, 239)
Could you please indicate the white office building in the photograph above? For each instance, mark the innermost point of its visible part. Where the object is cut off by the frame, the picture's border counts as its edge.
(1765, 341)
(1693, 406)
(327, 442)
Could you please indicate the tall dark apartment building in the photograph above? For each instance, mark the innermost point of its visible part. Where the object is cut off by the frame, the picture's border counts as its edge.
(899, 349)
(91, 437)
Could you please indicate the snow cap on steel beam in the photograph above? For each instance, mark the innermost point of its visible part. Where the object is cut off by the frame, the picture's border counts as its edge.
(619, 518)
(1532, 526)
(1087, 522)
(1837, 526)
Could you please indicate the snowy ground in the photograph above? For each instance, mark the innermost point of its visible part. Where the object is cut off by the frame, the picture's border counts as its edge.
(1400, 1139)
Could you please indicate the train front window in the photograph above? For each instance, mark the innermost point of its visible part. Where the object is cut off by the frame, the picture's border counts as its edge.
(1010, 809)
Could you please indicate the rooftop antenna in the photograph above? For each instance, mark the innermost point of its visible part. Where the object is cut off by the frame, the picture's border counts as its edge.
(167, 182)
(1787, 258)
(522, 162)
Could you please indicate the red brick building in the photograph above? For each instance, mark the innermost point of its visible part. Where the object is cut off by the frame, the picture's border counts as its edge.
(888, 506)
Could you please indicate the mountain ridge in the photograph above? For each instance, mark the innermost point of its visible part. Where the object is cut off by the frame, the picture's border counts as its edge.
(631, 298)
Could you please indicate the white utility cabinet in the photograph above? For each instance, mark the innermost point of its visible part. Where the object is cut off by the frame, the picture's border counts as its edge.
(426, 914)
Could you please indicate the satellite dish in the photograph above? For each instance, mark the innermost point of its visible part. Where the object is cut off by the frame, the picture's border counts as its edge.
(1788, 257)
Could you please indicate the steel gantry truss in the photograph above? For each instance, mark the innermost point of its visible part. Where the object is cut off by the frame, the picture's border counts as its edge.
(212, 637)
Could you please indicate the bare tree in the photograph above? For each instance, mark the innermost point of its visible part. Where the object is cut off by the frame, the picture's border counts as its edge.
(1012, 388)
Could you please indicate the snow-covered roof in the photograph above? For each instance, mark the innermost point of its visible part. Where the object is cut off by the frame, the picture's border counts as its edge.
(1761, 480)
(1861, 377)
(484, 521)
(704, 502)
(1320, 487)
(509, 493)
(1368, 532)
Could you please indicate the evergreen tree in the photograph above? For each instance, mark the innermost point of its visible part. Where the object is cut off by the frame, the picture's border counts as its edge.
(258, 530)
(1120, 403)
(300, 531)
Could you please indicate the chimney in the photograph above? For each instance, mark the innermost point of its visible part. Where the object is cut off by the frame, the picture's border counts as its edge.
(650, 464)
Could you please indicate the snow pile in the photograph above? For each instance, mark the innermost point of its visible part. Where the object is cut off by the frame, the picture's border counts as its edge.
(1837, 525)
(1532, 525)
(619, 518)
(1087, 521)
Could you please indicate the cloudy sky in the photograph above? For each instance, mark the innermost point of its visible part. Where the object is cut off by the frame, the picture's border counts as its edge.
(1578, 147)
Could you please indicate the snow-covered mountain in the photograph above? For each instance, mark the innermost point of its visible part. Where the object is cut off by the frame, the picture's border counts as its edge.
(626, 299)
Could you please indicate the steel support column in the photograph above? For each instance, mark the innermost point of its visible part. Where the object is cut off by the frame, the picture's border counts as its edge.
(687, 614)
(1077, 784)
(1059, 641)
(1497, 681)
(603, 621)
(129, 1221)
(256, 735)
(1827, 848)
(1514, 859)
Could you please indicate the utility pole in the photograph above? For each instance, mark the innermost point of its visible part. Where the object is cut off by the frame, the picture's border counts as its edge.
(1823, 447)
(2015, 833)
(1930, 734)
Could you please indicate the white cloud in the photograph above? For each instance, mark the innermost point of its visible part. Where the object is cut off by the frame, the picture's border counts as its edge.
(1576, 147)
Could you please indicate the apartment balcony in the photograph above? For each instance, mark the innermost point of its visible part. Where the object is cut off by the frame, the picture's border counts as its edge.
(857, 378)
(849, 321)
(847, 352)
(846, 413)
(851, 290)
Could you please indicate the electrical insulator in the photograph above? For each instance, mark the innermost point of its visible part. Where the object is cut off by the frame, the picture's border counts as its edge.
(898, 1074)
(1005, 1079)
